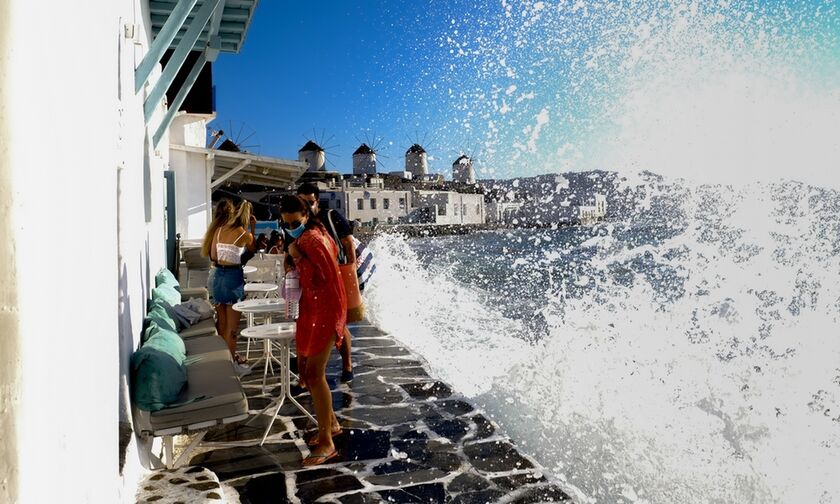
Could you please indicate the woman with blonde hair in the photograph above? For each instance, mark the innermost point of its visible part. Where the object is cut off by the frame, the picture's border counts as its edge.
(225, 242)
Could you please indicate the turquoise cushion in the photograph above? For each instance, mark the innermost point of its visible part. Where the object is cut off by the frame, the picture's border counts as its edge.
(166, 293)
(156, 378)
(166, 341)
(161, 312)
(165, 277)
(170, 311)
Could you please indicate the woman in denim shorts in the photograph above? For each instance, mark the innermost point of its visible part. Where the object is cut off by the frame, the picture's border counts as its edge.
(226, 240)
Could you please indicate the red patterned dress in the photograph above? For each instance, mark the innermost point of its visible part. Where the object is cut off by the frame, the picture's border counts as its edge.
(323, 304)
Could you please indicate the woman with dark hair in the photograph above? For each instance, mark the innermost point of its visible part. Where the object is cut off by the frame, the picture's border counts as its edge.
(321, 322)
(275, 243)
(262, 242)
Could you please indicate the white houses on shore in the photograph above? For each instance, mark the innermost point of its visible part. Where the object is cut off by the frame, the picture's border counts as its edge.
(588, 214)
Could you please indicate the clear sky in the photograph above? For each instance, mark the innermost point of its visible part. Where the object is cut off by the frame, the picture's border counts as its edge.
(525, 87)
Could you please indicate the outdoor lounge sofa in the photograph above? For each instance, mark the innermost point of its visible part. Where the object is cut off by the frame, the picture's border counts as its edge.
(212, 394)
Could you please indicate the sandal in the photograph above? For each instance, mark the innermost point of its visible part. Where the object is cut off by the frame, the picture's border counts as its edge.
(314, 460)
(239, 359)
(312, 439)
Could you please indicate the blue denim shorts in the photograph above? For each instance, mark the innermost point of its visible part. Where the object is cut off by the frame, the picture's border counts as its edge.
(228, 285)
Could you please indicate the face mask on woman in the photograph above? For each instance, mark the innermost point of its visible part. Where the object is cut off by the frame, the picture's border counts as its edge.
(296, 232)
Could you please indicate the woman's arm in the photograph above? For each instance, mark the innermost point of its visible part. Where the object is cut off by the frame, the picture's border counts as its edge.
(251, 245)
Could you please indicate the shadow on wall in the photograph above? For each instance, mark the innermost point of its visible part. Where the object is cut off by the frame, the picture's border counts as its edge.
(126, 348)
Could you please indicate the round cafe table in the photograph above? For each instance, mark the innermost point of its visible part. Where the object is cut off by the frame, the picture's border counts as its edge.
(283, 334)
(262, 306)
(249, 269)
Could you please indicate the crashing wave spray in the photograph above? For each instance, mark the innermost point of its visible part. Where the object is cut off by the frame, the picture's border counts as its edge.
(683, 356)
(710, 376)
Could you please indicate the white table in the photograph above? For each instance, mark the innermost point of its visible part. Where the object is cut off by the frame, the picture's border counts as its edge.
(260, 288)
(249, 269)
(283, 334)
(265, 306)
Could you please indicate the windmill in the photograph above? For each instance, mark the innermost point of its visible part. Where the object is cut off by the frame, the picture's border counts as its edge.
(365, 160)
(416, 157)
(463, 171)
(237, 138)
(314, 151)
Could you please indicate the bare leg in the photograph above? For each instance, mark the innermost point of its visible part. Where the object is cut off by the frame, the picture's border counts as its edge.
(316, 378)
(345, 351)
(221, 320)
(232, 317)
(301, 371)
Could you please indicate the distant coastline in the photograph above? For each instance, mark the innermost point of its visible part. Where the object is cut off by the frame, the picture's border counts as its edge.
(431, 230)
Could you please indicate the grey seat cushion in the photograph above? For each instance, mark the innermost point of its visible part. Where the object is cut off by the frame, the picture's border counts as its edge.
(203, 328)
(213, 393)
(206, 348)
(194, 292)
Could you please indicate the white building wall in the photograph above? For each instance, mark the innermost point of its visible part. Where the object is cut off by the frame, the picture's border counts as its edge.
(70, 318)
(452, 207)
(194, 207)
(350, 206)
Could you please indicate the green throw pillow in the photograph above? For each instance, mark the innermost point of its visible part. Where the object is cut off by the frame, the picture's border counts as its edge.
(156, 378)
(166, 293)
(170, 312)
(165, 318)
(165, 277)
(166, 341)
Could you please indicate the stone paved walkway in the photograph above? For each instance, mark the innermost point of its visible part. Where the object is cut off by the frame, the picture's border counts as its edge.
(407, 438)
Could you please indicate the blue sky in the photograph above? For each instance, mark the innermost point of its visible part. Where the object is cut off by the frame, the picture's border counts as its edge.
(526, 87)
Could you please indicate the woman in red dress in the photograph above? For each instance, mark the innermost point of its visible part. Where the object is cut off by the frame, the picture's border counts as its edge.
(321, 322)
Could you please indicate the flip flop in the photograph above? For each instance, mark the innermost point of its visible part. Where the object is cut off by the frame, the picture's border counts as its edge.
(312, 440)
(319, 459)
(239, 359)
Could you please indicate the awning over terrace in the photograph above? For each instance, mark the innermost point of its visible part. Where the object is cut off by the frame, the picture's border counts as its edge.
(244, 168)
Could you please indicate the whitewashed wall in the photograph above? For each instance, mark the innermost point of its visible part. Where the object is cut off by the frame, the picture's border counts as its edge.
(192, 176)
(86, 179)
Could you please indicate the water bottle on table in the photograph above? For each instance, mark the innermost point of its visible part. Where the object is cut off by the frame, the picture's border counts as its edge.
(291, 293)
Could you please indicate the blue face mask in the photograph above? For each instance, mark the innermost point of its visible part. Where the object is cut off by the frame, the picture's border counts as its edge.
(296, 232)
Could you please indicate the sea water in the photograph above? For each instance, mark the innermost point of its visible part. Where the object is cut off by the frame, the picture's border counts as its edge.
(687, 349)
(693, 357)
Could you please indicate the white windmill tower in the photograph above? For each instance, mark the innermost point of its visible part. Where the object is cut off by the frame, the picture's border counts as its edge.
(314, 156)
(364, 160)
(416, 161)
(462, 170)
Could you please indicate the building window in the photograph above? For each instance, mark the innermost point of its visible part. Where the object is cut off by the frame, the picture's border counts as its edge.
(338, 204)
(390, 220)
(324, 203)
(360, 204)
(442, 210)
(386, 203)
(455, 209)
(478, 209)
(402, 203)
(373, 203)
(464, 209)
(375, 221)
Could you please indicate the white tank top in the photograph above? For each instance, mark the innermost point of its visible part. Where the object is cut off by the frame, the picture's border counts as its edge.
(228, 252)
